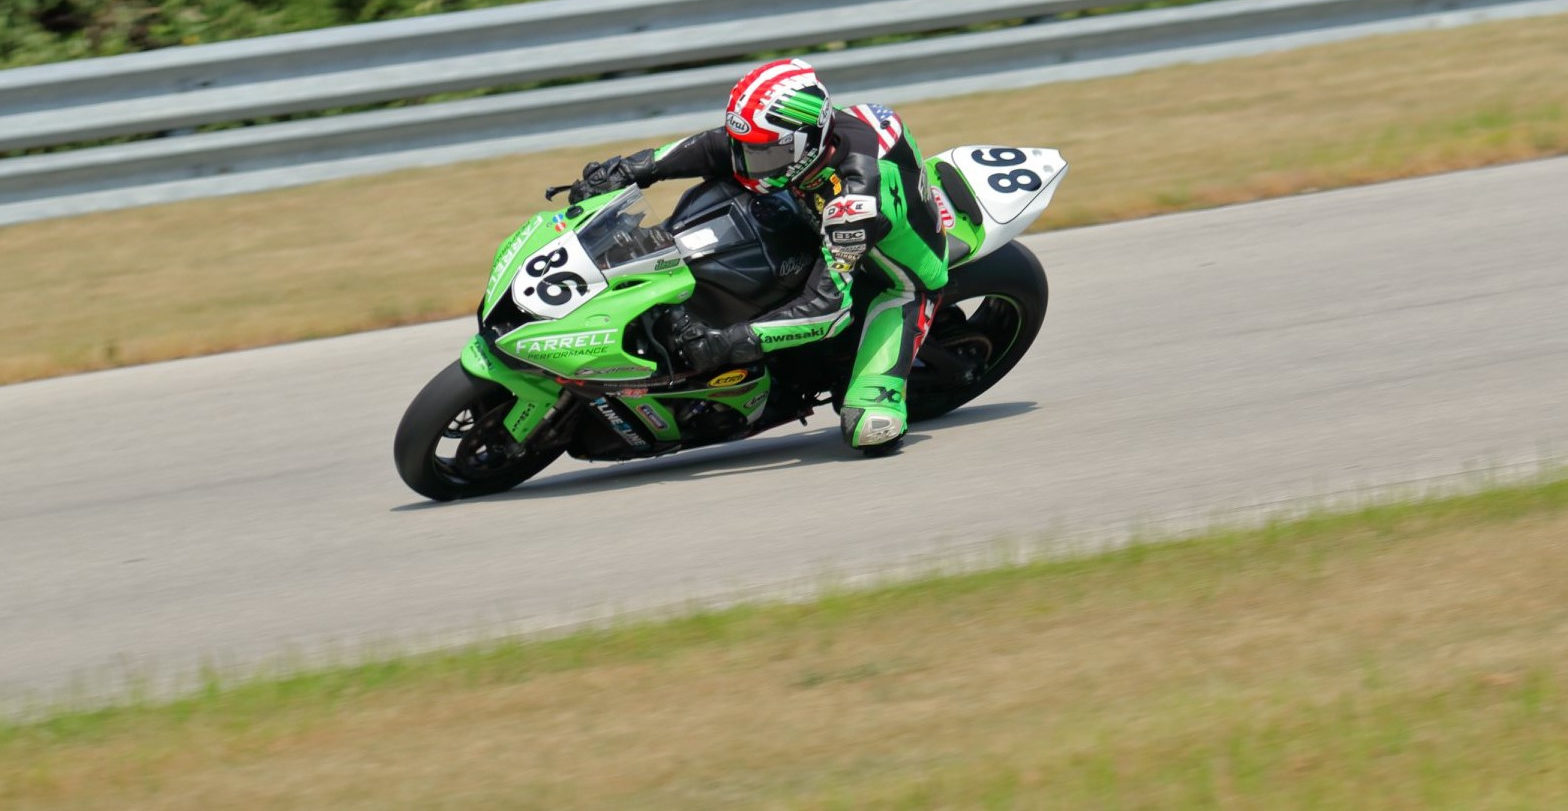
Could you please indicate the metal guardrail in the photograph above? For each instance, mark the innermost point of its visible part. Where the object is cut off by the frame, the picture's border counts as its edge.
(350, 47)
(286, 77)
(385, 60)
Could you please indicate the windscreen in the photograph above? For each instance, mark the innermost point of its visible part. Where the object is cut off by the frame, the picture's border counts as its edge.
(615, 236)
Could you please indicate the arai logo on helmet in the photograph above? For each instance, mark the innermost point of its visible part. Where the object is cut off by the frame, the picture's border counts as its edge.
(736, 123)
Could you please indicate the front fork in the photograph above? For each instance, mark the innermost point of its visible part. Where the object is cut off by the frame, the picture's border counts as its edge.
(538, 398)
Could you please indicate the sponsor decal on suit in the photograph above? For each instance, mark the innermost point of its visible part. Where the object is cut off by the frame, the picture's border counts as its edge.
(848, 208)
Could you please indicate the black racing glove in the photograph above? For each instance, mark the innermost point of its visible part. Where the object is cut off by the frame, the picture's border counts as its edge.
(616, 173)
(704, 348)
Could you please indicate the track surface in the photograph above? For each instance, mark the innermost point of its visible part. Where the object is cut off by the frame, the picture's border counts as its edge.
(231, 508)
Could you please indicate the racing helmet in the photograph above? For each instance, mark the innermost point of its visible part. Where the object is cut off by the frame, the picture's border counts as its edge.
(778, 121)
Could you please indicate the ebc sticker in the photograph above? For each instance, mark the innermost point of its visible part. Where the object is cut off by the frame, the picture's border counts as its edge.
(728, 379)
(557, 280)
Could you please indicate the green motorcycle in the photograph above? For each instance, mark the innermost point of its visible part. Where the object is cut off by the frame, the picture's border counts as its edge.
(573, 349)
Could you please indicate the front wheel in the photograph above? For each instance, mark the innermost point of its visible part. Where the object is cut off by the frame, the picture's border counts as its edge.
(451, 442)
(991, 312)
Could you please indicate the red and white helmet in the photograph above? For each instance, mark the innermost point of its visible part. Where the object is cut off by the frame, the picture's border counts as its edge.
(778, 121)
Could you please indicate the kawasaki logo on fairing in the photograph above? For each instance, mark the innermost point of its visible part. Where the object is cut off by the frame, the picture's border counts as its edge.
(580, 340)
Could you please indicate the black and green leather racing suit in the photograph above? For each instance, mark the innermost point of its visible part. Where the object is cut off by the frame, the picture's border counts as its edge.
(873, 202)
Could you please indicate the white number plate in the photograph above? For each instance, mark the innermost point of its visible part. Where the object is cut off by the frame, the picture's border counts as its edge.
(557, 279)
(1006, 179)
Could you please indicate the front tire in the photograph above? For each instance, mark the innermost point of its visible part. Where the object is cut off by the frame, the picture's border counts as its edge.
(451, 443)
(1003, 297)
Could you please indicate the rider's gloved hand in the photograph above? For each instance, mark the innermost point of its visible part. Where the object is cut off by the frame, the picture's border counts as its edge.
(704, 348)
(616, 173)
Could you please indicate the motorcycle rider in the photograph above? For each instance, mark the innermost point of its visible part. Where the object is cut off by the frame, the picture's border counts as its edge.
(861, 175)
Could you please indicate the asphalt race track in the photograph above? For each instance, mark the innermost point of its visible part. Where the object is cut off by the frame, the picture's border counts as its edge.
(235, 508)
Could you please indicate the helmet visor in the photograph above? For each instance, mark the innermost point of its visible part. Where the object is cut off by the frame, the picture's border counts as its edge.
(763, 161)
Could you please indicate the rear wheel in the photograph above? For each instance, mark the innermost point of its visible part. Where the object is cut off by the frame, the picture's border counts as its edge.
(991, 312)
(452, 444)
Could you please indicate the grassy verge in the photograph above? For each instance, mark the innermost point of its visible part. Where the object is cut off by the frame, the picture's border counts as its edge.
(209, 275)
(39, 32)
(1400, 657)
(34, 32)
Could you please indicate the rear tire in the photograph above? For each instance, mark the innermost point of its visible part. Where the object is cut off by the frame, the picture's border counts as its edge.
(455, 405)
(1012, 295)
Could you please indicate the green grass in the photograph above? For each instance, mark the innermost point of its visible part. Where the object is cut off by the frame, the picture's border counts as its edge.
(36, 32)
(1397, 656)
(1298, 542)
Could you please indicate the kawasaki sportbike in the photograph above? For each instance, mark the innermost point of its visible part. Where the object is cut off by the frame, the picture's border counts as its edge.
(574, 354)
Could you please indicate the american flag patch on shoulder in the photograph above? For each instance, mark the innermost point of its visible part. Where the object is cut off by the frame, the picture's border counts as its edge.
(886, 122)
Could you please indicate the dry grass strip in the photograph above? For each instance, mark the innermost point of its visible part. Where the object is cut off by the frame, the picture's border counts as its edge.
(210, 275)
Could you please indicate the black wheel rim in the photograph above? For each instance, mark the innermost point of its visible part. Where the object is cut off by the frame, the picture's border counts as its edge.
(977, 332)
(472, 448)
